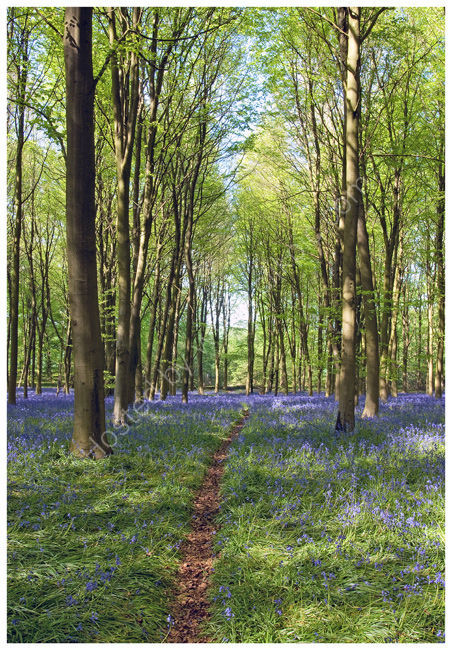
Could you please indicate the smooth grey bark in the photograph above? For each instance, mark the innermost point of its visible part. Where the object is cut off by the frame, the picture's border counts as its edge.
(22, 74)
(346, 414)
(371, 405)
(441, 280)
(89, 437)
(124, 75)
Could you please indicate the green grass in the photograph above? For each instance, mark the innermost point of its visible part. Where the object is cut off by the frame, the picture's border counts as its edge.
(319, 539)
(332, 540)
(93, 546)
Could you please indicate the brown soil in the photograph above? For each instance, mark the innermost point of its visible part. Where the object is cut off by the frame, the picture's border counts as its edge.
(190, 606)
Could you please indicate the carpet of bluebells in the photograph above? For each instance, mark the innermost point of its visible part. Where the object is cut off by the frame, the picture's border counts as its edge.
(321, 538)
(93, 546)
(328, 538)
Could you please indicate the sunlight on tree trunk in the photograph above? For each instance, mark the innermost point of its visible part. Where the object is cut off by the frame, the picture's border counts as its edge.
(89, 436)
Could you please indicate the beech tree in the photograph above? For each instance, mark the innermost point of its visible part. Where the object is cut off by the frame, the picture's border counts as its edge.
(20, 32)
(89, 438)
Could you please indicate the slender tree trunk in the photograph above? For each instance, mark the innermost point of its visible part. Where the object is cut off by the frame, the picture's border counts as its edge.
(138, 368)
(168, 347)
(226, 327)
(346, 415)
(202, 335)
(271, 374)
(38, 389)
(173, 367)
(429, 386)
(215, 315)
(284, 379)
(67, 357)
(370, 317)
(320, 349)
(441, 282)
(152, 322)
(33, 360)
(163, 328)
(190, 318)
(391, 244)
(250, 337)
(28, 352)
(406, 339)
(394, 368)
(277, 366)
(329, 375)
(167, 358)
(22, 72)
(89, 435)
(392, 348)
(419, 382)
(302, 321)
(125, 108)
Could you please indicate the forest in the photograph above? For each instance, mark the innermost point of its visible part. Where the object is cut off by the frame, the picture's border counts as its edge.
(226, 286)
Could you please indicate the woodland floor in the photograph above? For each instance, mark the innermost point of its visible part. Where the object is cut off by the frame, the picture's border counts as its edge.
(231, 519)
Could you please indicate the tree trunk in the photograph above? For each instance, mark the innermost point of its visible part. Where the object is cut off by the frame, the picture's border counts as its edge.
(22, 72)
(346, 415)
(28, 352)
(441, 282)
(250, 335)
(152, 321)
(138, 377)
(284, 379)
(226, 327)
(391, 244)
(429, 383)
(370, 317)
(38, 389)
(215, 315)
(419, 380)
(125, 108)
(67, 357)
(392, 348)
(89, 435)
(190, 318)
(320, 349)
(406, 339)
(174, 372)
(200, 342)
(329, 374)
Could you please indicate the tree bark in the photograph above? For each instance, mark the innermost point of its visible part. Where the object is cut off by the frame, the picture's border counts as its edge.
(89, 435)
(200, 339)
(346, 414)
(152, 321)
(250, 334)
(406, 338)
(68, 357)
(441, 282)
(22, 73)
(370, 317)
(125, 109)
(226, 327)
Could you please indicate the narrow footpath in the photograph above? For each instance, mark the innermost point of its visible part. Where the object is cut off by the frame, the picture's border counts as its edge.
(190, 604)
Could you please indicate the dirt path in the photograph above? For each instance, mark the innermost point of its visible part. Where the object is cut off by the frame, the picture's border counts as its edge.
(190, 606)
